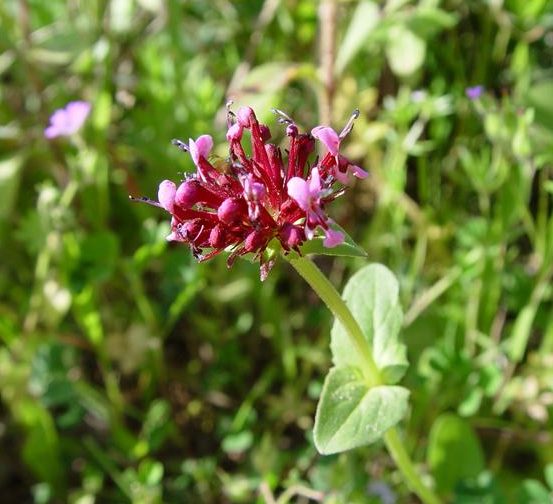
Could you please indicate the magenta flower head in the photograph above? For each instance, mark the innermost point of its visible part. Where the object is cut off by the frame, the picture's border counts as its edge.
(474, 92)
(68, 120)
(259, 203)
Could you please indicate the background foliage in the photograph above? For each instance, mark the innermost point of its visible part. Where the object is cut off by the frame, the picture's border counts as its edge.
(130, 373)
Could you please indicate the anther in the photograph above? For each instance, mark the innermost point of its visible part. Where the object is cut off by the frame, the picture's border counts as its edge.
(349, 125)
(179, 144)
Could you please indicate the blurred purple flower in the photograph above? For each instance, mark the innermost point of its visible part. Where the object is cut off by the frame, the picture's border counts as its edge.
(383, 491)
(474, 92)
(68, 120)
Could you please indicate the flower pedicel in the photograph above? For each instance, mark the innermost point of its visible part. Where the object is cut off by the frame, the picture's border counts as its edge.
(262, 199)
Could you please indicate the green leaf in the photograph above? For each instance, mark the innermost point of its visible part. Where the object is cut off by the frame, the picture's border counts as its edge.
(533, 492)
(348, 249)
(363, 21)
(351, 414)
(10, 171)
(372, 295)
(452, 439)
(405, 51)
(428, 21)
(41, 444)
(549, 475)
(539, 98)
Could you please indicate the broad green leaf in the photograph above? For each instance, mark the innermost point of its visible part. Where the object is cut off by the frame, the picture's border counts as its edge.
(480, 490)
(372, 295)
(527, 11)
(351, 414)
(549, 475)
(428, 21)
(405, 51)
(363, 21)
(534, 492)
(454, 452)
(539, 98)
(41, 444)
(349, 248)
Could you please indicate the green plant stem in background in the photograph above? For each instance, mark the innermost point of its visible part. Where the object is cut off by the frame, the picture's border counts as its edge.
(330, 296)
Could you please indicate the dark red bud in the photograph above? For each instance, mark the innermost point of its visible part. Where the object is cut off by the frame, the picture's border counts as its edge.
(254, 241)
(218, 237)
(190, 229)
(192, 192)
(188, 194)
(292, 236)
(245, 115)
(231, 211)
(265, 133)
(292, 130)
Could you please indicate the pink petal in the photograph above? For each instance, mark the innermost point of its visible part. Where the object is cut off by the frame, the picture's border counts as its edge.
(51, 132)
(315, 183)
(333, 238)
(200, 148)
(358, 172)
(68, 120)
(59, 118)
(309, 232)
(166, 194)
(340, 176)
(328, 137)
(234, 133)
(298, 190)
(77, 112)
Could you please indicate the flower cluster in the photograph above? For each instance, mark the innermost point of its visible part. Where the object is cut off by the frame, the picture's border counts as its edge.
(258, 199)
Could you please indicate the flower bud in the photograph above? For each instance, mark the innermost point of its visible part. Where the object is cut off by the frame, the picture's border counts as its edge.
(254, 241)
(166, 194)
(292, 130)
(231, 211)
(245, 116)
(265, 133)
(191, 229)
(192, 192)
(188, 194)
(292, 235)
(217, 237)
(234, 133)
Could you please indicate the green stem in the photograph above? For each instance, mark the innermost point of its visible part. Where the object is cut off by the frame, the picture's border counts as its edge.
(330, 296)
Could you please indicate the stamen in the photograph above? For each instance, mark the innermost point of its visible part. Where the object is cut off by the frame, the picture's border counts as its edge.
(143, 199)
(231, 116)
(180, 144)
(349, 125)
(283, 118)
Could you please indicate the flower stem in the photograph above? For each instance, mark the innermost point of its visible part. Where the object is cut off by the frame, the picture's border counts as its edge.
(330, 296)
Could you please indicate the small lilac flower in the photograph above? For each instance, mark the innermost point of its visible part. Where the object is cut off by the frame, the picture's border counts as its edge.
(307, 194)
(474, 92)
(260, 198)
(68, 120)
(341, 166)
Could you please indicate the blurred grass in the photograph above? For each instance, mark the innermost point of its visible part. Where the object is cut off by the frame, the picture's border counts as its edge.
(130, 373)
